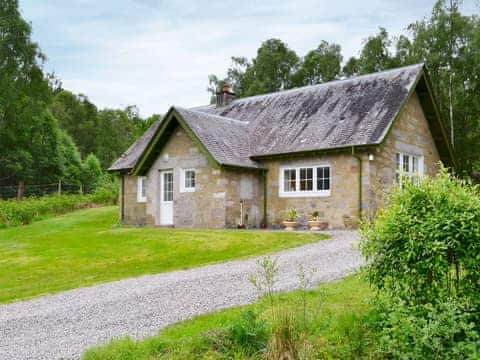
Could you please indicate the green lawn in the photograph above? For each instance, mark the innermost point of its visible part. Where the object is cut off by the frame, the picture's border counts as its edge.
(337, 314)
(87, 247)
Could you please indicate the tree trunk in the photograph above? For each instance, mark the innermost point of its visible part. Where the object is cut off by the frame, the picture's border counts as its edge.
(20, 190)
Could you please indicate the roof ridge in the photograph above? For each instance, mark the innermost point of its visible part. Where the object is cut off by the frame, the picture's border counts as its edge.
(204, 113)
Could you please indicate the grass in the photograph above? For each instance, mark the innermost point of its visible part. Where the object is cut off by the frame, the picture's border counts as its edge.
(87, 247)
(336, 315)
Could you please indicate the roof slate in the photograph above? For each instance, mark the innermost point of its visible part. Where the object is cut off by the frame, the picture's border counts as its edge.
(351, 112)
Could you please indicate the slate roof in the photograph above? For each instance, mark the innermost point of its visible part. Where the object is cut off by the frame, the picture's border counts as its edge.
(337, 114)
(226, 138)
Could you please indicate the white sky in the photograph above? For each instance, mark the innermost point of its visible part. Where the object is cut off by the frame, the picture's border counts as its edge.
(155, 53)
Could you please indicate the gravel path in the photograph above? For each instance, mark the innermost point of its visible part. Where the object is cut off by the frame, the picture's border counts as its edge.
(64, 324)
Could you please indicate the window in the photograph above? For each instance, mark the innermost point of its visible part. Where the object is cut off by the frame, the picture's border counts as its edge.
(407, 165)
(188, 180)
(142, 189)
(167, 186)
(305, 181)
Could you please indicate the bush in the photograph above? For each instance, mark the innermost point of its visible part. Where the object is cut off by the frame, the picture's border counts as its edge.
(445, 331)
(425, 244)
(246, 336)
(15, 213)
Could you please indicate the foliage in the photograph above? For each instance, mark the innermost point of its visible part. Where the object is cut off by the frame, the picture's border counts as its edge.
(91, 171)
(71, 160)
(106, 133)
(320, 65)
(91, 247)
(248, 334)
(315, 216)
(445, 331)
(425, 244)
(15, 213)
(291, 215)
(78, 117)
(24, 93)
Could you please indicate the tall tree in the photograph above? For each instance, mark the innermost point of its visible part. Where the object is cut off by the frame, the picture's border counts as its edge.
(447, 43)
(320, 65)
(78, 116)
(271, 70)
(24, 95)
(376, 54)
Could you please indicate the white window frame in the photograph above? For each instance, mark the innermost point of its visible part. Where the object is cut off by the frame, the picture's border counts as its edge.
(183, 188)
(410, 172)
(141, 189)
(305, 193)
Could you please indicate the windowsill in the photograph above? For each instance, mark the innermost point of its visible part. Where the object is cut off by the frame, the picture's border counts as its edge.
(187, 190)
(305, 194)
(142, 200)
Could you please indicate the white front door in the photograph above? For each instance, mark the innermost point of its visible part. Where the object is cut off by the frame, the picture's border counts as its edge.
(166, 197)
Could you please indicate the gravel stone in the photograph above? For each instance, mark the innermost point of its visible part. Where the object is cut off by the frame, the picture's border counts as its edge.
(63, 325)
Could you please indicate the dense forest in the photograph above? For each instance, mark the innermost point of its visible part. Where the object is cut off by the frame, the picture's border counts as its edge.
(48, 134)
(447, 41)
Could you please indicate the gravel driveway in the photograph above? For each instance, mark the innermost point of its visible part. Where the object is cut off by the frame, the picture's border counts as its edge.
(64, 324)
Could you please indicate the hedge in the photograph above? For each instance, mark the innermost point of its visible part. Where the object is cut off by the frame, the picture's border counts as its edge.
(16, 213)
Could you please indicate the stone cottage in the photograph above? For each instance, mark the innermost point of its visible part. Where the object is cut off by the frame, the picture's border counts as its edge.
(316, 148)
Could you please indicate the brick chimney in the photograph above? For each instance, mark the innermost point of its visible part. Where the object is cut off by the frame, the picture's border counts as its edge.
(225, 96)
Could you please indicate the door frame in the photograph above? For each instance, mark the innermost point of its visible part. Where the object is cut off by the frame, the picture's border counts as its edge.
(161, 201)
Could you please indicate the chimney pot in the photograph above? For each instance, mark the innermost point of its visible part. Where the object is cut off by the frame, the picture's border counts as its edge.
(225, 96)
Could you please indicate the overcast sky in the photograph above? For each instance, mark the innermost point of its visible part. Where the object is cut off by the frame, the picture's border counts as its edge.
(156, 53)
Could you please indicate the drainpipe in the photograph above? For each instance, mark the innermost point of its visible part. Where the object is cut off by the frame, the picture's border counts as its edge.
(122, 208)
(264, 173)
(360, 165)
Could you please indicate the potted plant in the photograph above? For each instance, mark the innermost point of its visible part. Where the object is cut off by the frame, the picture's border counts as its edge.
(290, 221)
(317, 222)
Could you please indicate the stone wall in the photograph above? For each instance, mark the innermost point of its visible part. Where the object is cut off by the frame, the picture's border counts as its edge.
(410, 134)
(339, 208)
(134, 212)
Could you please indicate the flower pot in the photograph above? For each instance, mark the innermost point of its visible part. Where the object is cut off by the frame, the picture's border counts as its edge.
(316, 225)
(290, 225)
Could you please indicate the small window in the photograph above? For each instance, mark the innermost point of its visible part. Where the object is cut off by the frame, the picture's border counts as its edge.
(188, 180)
(142, 189)
(409, 166)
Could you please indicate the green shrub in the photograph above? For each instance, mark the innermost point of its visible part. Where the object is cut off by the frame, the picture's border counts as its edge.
(444, 331)
(106, 192)
(15, 213)
(246, 336)
(425, 244)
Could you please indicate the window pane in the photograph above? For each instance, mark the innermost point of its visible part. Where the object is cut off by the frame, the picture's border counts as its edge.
(323, 178)
(144, 187)
(289, 180)
(406, 166)
(397, 161)
(414, 165)
(190, 179)
(306, 179)
(168, 187)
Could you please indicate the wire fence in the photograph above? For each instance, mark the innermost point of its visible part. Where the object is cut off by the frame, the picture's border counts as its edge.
(10, 191)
